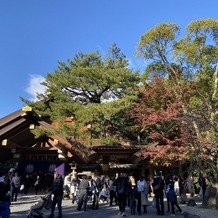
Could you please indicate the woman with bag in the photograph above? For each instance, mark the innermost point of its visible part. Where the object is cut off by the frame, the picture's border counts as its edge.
(122, 187)
(143, 190)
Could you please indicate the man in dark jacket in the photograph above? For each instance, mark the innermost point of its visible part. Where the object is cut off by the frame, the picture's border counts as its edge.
(57, 191)
(158, 189)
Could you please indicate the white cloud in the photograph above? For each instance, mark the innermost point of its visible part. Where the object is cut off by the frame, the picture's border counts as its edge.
(35, 87)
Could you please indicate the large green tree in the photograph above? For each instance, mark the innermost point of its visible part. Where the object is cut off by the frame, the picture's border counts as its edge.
(198, 53)
(95, 91)
(191, 59)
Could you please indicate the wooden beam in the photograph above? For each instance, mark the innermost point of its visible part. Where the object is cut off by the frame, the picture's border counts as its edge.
(40, 149)
(136, 157)
(27, 109)
(10, 144)
(74, 150)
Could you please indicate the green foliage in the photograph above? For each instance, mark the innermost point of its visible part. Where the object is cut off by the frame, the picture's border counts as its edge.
(189, 60)
(156, 42)
(93, 90)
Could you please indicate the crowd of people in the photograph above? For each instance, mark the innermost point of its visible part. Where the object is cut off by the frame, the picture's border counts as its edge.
(12, 185)
(124, 191)
(121, 189)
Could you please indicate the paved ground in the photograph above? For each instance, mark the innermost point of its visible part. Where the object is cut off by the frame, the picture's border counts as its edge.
(20, 208)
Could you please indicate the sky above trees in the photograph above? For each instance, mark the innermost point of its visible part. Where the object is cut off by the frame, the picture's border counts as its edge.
(36, 34)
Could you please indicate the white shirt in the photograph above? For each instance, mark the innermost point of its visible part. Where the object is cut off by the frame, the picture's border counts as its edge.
(67, 181)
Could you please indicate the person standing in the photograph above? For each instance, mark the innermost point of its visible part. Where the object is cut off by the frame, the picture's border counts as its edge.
(15, 186)
(182, 191)
(26, 184)
(158, 189)
(122, 187)
(133, 197)
(143, 190)
(67, 186)
(113, 194)
(37, 185)
(176, 186)
(190, 185)
(83, 193)
(57, 190)
(4, 200)
(203, 184)
(73, 189)
(95, 193)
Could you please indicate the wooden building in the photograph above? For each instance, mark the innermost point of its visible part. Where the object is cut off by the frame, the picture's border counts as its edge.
(19, 145)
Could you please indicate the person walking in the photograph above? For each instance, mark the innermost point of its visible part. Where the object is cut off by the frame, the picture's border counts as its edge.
(57, 190)
(143, 190)
(168, 182)
(158, 189)
(171, 195)
(122, 187)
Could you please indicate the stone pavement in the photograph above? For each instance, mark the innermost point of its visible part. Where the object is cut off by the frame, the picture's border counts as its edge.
(20, 208)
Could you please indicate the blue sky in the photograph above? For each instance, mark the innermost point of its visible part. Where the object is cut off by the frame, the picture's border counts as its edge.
(36, 34)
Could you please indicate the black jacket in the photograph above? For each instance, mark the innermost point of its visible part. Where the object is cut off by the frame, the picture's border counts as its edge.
(3, 191)
(57, 187)
(122, 182)
(158, 180)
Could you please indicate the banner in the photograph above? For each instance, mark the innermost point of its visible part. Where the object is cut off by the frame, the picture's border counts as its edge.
(32, 167)
(61, 169)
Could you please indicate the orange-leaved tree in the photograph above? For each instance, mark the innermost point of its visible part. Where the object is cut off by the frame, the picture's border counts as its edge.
(159, 117)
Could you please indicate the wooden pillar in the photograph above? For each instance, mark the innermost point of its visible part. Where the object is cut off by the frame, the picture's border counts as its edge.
(105, 165)
(180, 170)
(143, 168)
(151, 172)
